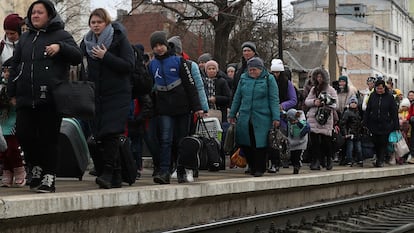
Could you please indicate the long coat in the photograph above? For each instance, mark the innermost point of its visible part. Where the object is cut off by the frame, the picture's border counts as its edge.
(381, 115)
(256, 101)
(111, 76)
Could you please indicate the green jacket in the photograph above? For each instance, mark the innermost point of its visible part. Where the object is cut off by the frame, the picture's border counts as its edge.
(255, 100)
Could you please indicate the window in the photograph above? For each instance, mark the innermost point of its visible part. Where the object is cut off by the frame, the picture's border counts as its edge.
(389, 65)
(395, 48)
(376, 41)
(383, 44)
(376, 60)
(395, 66)
(383, 62)
(389, 46)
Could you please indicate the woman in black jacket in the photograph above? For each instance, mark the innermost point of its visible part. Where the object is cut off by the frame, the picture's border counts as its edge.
(42, 58)
(381, 118)
(110, 63)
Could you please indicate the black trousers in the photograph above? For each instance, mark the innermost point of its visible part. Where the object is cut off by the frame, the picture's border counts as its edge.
(37, 131)
(256, 157)
(321, 147)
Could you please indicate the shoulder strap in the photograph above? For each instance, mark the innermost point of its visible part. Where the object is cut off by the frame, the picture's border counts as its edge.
(2, 44)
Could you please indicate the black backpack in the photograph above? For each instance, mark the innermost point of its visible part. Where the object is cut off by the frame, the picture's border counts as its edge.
(141, 80)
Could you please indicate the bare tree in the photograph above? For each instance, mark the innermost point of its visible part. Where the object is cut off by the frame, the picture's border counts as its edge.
(221, 15)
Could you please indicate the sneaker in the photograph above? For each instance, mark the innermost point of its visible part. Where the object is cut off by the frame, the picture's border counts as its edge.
(189, 175)
(174, 174)
(273, 169)
(47, 184)
(410, 160)
(19, 176)
(36, 178)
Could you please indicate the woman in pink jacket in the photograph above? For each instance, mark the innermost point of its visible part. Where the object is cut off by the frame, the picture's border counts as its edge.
(321, 102)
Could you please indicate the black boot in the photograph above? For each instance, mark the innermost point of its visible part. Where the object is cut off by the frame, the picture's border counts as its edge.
(117, 178)
(315, 165)
(105, 180)
(329, 165)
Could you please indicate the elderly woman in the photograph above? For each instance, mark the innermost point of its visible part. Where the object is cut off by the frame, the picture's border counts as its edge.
(256, 102)
(321, 102)
(41, 59)
(110, 63)
(381, 118)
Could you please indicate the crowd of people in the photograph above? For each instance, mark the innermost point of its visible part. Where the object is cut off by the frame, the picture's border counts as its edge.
(325, 123)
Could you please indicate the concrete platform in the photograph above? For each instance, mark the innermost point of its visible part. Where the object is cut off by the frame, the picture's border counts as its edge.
(79, 206)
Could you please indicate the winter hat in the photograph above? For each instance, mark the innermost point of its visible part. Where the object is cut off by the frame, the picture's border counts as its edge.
(371, 79)
(205, 57)
(250, 45)
(405, 102)
(140, 47)
(255, 62)
(178, 46)
(211, 63)
(158, 37)
(343, 78)
(13, 22)
(291, 114)
(277, 65)
(353, 99)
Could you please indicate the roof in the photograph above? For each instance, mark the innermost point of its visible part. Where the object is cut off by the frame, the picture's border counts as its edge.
(317, 20)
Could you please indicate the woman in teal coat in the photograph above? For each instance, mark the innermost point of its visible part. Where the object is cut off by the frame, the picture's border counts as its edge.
(256, 105)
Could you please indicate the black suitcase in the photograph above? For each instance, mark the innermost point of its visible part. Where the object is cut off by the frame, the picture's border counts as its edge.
(73, 152)
(129, 168)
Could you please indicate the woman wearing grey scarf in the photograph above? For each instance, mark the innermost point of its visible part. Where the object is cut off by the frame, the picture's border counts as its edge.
(110, 61)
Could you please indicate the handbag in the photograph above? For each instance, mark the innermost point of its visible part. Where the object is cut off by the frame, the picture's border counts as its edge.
(278, 141)
(210, 154)
(401, 148)
(230, 140)
(238, 160)
(75, 99)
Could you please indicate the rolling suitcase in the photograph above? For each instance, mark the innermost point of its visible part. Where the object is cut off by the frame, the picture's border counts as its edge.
(73, 152)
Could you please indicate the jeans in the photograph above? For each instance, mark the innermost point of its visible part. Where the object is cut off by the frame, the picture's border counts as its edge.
(352, 144)
(172, 129)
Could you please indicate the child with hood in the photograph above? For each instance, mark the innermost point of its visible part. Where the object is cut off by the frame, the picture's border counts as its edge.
(351, 123)
(297, 130)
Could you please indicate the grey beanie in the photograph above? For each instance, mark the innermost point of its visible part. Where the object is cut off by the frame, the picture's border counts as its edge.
(178, 46)
(205, 57)
(159, 37)
(255, 62)
(250, 45)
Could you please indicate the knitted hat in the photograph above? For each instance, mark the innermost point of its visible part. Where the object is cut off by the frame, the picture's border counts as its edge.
(250, 45)
(211, 63)
(405, 102)
(140, 47)
(177, 45)
(343, 78)
(13, 22)
(255, 62)
(353, 99)
(277, 65)
(158, 37)
(205, 57)
(291, 114)
(371, 79)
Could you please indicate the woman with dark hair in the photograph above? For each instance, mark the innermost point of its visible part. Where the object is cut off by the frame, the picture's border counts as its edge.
(322, 104)
(42, 59)
(110, 62)
(381, 118)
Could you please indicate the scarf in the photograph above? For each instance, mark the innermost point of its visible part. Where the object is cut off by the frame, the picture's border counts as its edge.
(104, 38)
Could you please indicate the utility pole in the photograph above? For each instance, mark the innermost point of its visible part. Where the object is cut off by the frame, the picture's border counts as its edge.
(332, 40)
(279, 28)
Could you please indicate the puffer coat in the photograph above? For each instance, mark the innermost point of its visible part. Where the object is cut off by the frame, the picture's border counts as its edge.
(325, 129)
(256, 101)
(111, 76)
(33, 74)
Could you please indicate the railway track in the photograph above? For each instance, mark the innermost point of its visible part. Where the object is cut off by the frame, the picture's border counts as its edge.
(391, 212)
